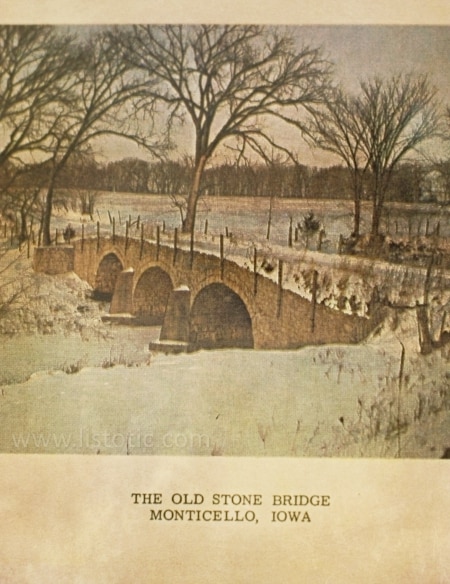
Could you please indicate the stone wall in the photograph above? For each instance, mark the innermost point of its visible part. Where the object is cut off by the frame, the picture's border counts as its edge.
(122, 300)
(151, 294)
(54, 260)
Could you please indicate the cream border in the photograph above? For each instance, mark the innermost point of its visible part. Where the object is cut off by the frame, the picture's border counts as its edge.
(69, 519)
(220, 11)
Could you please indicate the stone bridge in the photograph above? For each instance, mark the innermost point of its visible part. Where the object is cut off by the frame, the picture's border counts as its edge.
(199, 299)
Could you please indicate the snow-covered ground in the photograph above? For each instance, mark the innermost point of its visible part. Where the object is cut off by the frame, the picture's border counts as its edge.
(246, 217)
(334, 401)
(73, 384)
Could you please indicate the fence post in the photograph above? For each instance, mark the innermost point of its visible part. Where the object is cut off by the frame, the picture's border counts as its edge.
(319, 245)
(114, 230)
(280, 287)
(221, 256)
(142, 241)
(127, 228)
(82, 237)
(290, 232)
(98, 235)
(175, 244)
(419, 227)
(191, 249)
(255, 270)
(157, 242)
(314, 300)
(206, 226)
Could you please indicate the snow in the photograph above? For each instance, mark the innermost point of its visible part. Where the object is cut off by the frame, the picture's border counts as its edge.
(290, 403)
(95, 388)
(73, 383)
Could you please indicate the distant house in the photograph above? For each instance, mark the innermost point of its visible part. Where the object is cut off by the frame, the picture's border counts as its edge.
(434, 187)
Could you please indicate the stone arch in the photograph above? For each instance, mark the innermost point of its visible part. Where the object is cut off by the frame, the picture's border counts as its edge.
(220, 319)
(106, 276)
(240, 282)
(151, 294)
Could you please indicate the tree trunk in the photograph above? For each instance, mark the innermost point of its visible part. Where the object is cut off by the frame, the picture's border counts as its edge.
(23, 225)
(376, 217)
(191, 210)
(269, 220)
(47, 215)
(357, 190)
(357, 217)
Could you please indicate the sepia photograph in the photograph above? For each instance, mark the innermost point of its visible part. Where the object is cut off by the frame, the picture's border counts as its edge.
(224, 292)
(225, 240)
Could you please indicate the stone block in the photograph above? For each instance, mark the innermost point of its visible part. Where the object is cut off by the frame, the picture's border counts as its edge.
(122, 300)
(176, 319)
(54, 260)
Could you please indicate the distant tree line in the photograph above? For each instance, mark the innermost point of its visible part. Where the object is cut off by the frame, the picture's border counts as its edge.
(410, 182)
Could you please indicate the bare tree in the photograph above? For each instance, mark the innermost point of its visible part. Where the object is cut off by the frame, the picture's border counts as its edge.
(20, 197)
(13, 283)
(99, 103)
(337, 128)
(34, 62)
(374, 131)
(396, 115)
(225, 80)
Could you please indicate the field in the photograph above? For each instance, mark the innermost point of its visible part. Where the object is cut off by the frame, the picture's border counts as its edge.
(73, 384)
(247, 217)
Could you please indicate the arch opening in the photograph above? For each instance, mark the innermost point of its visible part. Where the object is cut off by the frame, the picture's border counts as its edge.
(106, 277)
(151, 295)
(220, 319)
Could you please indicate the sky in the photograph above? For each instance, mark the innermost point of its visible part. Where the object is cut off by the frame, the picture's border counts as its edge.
(362, 51)
(358, 53)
